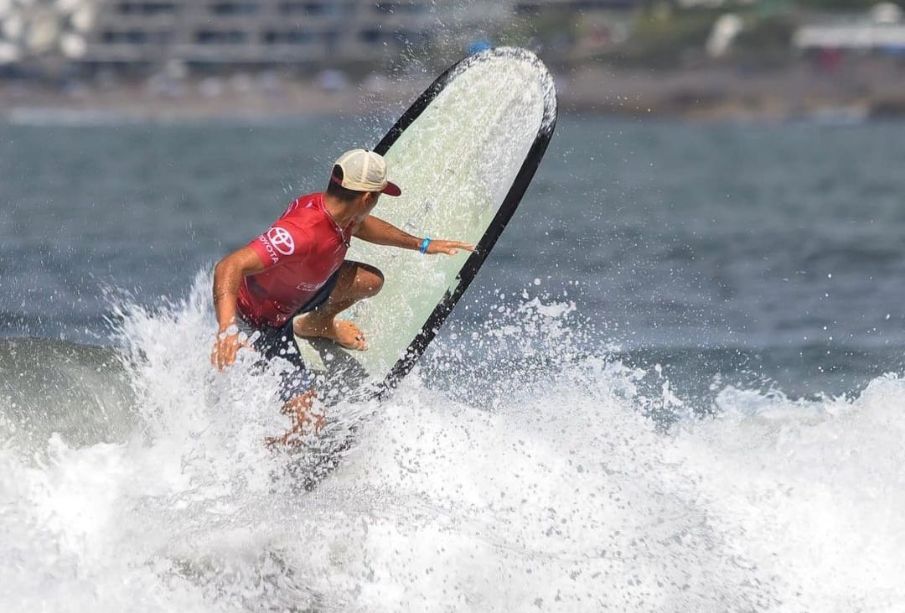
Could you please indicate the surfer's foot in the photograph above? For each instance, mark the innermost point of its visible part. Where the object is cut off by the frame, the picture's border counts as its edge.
(342, 332)
(304, 421)
(295, 437)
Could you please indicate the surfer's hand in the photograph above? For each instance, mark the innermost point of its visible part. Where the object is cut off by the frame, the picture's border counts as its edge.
(225, 348)
(448, 247)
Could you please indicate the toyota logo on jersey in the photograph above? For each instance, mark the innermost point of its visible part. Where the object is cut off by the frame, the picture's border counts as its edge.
(281, 240)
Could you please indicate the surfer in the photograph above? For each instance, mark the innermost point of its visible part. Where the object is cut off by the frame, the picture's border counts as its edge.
(294, 279)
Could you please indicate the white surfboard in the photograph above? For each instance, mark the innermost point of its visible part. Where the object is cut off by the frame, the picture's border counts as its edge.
(463, 154)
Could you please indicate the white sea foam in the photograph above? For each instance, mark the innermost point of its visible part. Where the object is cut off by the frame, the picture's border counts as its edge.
(559, 497)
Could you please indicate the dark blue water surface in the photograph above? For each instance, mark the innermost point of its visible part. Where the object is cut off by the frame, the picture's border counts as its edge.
(769, 253)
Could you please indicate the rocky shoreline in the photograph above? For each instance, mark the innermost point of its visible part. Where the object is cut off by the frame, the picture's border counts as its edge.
(857, 92)
(866, 90)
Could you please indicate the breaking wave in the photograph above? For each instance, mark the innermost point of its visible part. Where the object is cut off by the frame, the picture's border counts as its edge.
(512, 471)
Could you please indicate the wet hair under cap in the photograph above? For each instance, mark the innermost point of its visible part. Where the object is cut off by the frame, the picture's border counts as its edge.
(335, 190)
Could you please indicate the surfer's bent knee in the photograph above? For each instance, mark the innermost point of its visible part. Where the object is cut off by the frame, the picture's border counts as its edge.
(369, 278)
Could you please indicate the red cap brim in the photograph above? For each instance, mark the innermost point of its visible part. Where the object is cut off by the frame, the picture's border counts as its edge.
(392, 189)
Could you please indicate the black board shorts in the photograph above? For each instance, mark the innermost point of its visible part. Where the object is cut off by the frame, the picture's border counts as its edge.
(279, 342)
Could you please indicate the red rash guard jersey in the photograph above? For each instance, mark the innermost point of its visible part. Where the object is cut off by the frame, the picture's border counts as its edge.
(300, 251)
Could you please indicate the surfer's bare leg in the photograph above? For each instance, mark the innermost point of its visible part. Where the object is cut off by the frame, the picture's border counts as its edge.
(356, 282)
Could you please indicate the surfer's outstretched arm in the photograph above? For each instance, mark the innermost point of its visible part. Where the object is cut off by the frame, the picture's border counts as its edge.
(380, 232)
(228, 275)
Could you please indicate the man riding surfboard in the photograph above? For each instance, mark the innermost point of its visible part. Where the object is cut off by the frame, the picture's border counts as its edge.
(293, 280)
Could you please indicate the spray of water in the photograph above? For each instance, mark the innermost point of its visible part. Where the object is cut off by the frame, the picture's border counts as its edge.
(531, 477)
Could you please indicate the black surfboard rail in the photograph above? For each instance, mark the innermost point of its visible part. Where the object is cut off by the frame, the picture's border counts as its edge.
(510, 203)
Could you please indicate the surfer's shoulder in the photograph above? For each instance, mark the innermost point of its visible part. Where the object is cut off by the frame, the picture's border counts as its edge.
(305, 205)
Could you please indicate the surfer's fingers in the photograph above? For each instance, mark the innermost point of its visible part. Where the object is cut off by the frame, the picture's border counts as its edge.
(217, 357)
(445, 248)
(453, 247)
(230, 357)
(224, 353)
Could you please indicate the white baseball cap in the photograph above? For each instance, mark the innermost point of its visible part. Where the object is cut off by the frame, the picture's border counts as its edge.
(364, 171)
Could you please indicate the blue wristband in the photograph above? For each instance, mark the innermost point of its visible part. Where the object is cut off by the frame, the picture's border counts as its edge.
(424, 244)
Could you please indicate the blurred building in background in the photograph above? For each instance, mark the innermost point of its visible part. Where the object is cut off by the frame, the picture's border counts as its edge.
(737, 57)
(880, 29)
(211, 34)
(53, 36)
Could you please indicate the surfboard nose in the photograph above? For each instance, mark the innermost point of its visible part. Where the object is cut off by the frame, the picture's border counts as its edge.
(465, 152)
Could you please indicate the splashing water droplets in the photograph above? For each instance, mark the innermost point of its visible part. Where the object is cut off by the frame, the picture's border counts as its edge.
(512, 467)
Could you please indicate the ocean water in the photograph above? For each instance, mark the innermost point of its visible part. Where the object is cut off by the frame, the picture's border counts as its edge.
(676, 384)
